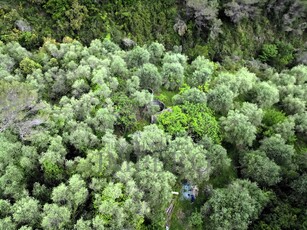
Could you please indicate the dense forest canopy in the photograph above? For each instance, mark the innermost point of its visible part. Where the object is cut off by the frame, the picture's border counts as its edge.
(109, 110)
(224, 30)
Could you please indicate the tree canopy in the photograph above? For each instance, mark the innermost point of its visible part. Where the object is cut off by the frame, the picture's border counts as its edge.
(145, 118)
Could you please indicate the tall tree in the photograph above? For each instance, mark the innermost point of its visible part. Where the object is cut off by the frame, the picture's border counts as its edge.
(27, 211)
(120, 207)
(187, 160)
(238, 130)
(55, 217)
(149, 76)
(277, 150)
(253, 113)
(173, 75)
(72, 195)
(236, 206)
(201, 71)
(258, 167)
(150, 140)
(266, 94)
(137, 57)
(220, 99)
(156, 184)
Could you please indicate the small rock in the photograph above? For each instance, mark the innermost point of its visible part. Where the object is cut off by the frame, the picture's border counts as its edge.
(167, 110)
(153, 119)
(128, 43)
(23, 25)
(302, 58)
(180, 27)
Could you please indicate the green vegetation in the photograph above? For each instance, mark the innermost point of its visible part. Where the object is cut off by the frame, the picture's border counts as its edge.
(108, 107)
(273, 31)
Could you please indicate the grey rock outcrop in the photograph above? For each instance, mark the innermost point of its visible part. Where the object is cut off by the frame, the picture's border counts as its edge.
(180, 27)
(23, 25)
(127, 43)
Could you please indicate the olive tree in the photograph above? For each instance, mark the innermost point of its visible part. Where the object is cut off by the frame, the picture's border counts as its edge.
(217, 158)
(55, 217)
(187, 160)
(300, 73)
(300, 188)
(137, 57)
(5, 208)
(220, 99)
(118, 66)
(236, 206)
(175, 58)
(80, 135)
(151, 139)
(293, 105)
(285, 129)
(240, 82)
(237, 129)
(7, 223)
(142, 98)
(156, 184)
(245, 79)
(149, 76)
(52, 160)
(301, 123)
(258, 167)
(156, 51)
(72, 195)
(201, 71)
(120, 206)
(277, 150)
(192, 95)
(266, 94)
(27, 211)
(173, 75)
(253, 113)
(132, 84)
(103, 120)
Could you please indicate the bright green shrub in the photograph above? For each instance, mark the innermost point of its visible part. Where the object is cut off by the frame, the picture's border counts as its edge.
(27, 65)
(195, 119)
(268, 52)
(272, 117)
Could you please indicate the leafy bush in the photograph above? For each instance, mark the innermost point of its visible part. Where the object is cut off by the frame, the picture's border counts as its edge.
(268, 52)
(27, 65)
(272, 117)
(195, 119)
(279, 54)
